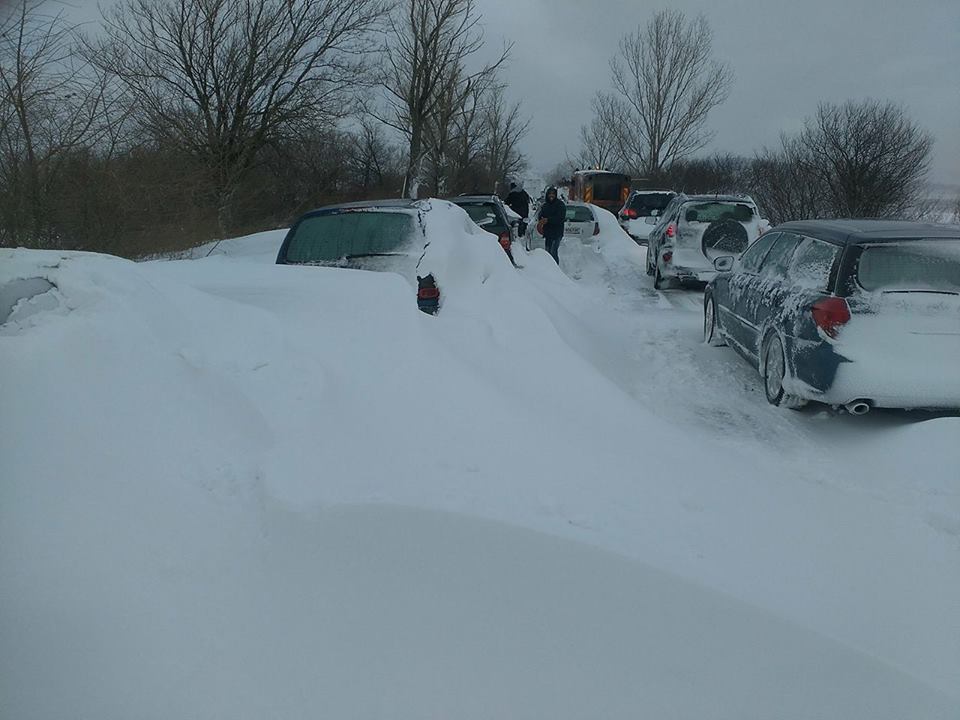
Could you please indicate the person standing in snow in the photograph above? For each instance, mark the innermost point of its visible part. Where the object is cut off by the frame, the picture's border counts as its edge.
(551, 218)
(519, 201)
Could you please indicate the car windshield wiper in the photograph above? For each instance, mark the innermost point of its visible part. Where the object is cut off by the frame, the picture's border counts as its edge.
(933, 292)
(366, 255)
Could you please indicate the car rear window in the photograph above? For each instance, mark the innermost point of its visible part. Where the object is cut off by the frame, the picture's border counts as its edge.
(646, 203)
(353, 233)
(916, 265)
(607, 188)
(709, 212)
(579, 213)
(486, 216)
(812, 263)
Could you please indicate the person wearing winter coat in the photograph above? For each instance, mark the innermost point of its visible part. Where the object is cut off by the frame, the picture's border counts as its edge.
(553, 214)
(519, 201)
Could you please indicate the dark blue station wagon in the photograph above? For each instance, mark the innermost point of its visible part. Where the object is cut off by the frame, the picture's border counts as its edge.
(852, 313)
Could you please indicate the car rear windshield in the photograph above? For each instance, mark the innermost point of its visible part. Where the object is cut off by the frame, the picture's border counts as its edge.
(708, 212)
(486, 216)
(353, 233)
(579, 214)
(932, 265)
(646, 203)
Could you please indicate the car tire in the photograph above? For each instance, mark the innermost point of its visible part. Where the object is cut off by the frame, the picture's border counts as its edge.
(650, 268)
(774, 372)
(711, 332)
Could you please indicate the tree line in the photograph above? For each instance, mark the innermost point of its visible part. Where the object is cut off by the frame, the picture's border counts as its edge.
(855, 159)
(176, 121)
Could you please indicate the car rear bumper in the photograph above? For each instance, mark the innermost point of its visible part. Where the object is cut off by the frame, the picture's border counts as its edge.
(897, 377)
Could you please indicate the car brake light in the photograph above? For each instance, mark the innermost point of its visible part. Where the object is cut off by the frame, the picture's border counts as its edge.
(671, 231)
(630, 213)
(428, 294)
(596, 228)
(830, 313)
(505, 241)
(667, 256)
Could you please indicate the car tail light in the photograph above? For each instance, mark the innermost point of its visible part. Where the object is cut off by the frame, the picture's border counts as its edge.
(505, 241)
(667, 256)
(830, 314)
(596, 228)
(671, 230)
(630, 213)
(428, 294)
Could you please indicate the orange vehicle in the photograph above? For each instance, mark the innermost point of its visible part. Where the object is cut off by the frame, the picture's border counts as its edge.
(609, 190)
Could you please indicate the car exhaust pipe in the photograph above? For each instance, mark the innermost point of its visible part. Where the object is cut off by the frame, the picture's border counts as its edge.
(858, 407)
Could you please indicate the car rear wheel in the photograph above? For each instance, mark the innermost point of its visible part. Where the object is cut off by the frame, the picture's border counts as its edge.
(650, 268)
(774, 374)
(711, 334)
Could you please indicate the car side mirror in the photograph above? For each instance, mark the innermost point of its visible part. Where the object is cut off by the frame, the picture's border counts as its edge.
(724, 263)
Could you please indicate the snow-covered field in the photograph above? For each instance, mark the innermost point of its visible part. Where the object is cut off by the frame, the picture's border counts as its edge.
(232, 489)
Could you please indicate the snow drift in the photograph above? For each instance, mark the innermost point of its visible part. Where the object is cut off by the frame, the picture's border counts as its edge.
(179, 442)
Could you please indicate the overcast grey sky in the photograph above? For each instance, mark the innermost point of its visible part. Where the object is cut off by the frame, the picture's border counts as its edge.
(786, 58)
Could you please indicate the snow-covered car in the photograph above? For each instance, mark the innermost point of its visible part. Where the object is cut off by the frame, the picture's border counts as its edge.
(852, 313)
(384, 235)
(491, 214)
(695, 230)
(581, 222)
(641, 212)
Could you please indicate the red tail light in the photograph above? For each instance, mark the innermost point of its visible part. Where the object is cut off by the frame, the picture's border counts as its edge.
(671, 230)
(505, 241)
(830, 314)
(667, 256)
(596, 228)
(428, 293)
(630, 213)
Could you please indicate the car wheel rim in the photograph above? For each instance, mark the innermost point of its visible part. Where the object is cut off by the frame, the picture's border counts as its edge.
(774, 369)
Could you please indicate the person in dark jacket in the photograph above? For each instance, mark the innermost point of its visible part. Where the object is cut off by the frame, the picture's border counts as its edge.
(554, 212)
(518, 201)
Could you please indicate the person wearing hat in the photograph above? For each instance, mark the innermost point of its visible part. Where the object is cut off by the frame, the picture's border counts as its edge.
(519, 201)
(550, 222)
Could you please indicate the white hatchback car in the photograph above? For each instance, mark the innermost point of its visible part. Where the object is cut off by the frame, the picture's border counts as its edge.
(581, 222)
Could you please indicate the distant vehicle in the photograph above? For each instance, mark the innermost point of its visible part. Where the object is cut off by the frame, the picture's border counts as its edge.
(380, 235)
(581, 222)
(608, 190)
(641, 212)
(851, 313)
(694, 230)
(491, 213)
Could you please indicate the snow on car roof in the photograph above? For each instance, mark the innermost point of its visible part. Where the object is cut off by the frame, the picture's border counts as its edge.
(853, 231)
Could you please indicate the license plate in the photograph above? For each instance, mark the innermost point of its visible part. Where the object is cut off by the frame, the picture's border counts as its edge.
(572, 230)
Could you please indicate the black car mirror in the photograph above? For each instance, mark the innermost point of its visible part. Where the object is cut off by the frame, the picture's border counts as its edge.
(724, 263)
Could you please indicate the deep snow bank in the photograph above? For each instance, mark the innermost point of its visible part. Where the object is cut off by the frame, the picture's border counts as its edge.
(170, 434)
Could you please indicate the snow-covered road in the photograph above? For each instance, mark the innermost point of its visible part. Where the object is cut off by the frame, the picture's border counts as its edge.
(170, 431)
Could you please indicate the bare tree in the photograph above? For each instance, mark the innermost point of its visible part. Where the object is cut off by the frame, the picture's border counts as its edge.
(599, 141)
(668, 82)
(865, 159)
(870, 157)
(504, 126)
(220, 79)
(428, 47)
(787, 183)
(50, 106)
